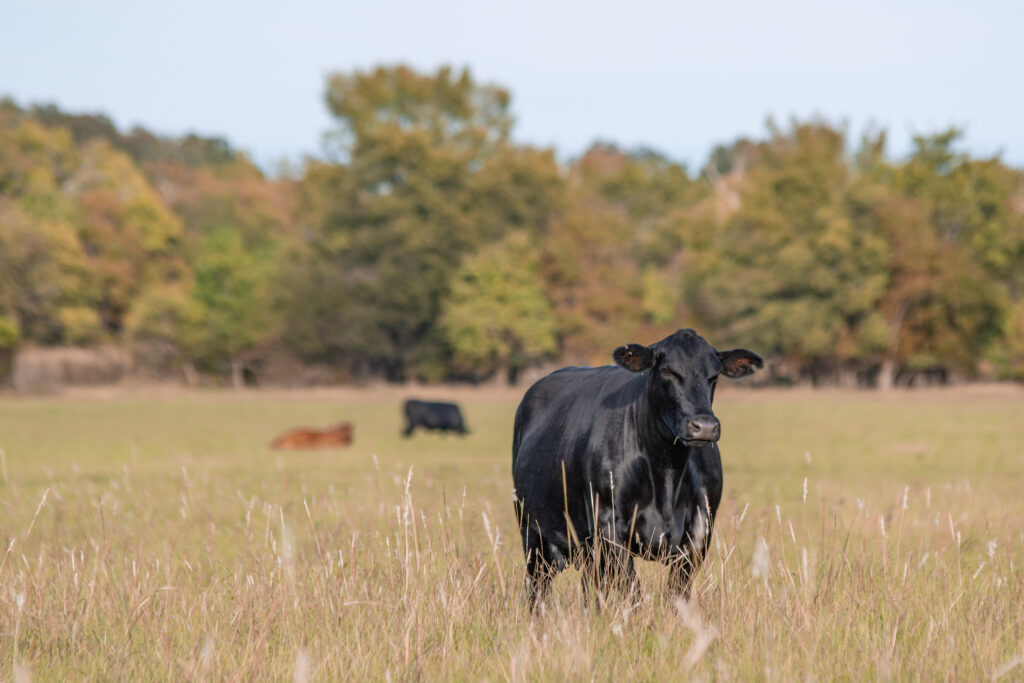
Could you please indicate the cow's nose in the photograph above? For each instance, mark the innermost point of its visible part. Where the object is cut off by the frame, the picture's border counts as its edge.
(703, 428)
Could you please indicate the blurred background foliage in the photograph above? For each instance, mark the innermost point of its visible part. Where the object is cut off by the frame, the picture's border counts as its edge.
(427, 244)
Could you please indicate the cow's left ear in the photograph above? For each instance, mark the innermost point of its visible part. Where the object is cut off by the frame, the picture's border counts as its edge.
(739, 362)
(635, 357)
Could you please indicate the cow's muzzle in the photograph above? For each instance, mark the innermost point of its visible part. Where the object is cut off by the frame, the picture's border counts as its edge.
(701, 429)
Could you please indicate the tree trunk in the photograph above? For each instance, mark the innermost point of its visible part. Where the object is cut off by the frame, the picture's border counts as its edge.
(237, 374)
(886, 375)
(188, 368)
(6, 364)
(846, 376)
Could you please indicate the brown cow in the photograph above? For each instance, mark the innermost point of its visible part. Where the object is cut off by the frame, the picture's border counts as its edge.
(338, 436)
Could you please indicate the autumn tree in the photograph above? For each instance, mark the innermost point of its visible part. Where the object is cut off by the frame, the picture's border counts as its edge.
(166, 328)
(45, 279)
(130, 238)
(948, 292)
(428, 244)
(789, 272)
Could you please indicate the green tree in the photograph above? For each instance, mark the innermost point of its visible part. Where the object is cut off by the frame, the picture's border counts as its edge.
(10, 336)
(167, 327)
(947, 296)
(1009, 356)
(233, 288)
(592, 277)
(497, 315)
(425, 176)
(789, 272)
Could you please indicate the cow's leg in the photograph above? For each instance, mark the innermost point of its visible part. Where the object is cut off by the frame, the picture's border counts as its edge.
(590, 575)
(539, 572)
(620, 573)
(686, 564)
(680, 574)
(543, 561)
(609, 568)
(541, 565)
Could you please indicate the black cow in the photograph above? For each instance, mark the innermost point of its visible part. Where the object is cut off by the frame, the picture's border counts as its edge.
(622, 458)
(432, 415)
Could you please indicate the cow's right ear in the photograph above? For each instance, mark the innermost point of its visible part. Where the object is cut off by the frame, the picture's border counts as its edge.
(634, 357)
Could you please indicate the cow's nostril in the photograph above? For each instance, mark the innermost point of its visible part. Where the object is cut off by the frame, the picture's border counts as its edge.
(703, 428)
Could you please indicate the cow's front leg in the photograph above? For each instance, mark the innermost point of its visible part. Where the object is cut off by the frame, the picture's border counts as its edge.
(680, 573)
(539, 573)
(590, 575)
(619, 572)
(609, 567)
(543, 559)
(608, 570)
(687, 561)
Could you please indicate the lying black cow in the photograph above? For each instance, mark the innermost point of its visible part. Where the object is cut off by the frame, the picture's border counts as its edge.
(628, 448)
(432, 415)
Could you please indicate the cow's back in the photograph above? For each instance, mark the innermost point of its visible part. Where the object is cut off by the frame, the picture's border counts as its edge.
(563, 406)
(434, 415)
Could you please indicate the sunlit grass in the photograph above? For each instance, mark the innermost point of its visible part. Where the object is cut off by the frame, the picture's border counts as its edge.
(157, 536)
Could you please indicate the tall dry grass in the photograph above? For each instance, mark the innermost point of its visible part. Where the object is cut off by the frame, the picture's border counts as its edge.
(215, 559)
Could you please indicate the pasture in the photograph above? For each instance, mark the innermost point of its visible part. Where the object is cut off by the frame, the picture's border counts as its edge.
(156, 535)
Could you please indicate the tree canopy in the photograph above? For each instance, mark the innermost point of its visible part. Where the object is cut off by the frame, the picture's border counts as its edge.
(427, 243)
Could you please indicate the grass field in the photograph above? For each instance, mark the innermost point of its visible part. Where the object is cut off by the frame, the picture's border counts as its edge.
(155, 536)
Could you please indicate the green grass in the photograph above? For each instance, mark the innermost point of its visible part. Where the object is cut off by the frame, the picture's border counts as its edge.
(173, 543)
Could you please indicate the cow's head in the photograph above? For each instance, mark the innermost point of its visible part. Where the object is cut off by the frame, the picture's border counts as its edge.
(683, 370)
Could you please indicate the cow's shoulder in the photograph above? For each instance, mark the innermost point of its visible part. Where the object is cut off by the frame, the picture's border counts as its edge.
(569, 381)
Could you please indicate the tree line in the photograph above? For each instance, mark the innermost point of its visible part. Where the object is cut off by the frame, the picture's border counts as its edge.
(426, 243)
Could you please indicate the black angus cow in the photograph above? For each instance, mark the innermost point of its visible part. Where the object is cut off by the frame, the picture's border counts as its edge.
(622, 458)
(433, 415)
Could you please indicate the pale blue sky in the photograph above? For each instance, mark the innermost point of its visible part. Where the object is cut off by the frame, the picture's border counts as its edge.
(676, 76)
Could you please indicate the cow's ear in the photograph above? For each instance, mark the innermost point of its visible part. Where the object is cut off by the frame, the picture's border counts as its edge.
(635, 357)
(739, 362)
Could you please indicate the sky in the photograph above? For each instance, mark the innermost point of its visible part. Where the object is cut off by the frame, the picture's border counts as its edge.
(678, 77)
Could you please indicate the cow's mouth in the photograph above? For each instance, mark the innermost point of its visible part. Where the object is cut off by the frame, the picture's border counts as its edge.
(690, 443)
